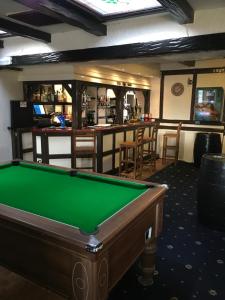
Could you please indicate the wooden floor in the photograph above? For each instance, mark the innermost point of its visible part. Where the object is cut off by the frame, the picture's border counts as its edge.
(15, 287)
(148, 170)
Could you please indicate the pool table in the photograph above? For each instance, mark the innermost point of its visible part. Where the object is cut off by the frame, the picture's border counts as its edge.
(77, 233)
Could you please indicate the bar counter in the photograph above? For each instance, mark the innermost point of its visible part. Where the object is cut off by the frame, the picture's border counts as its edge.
(53, 145)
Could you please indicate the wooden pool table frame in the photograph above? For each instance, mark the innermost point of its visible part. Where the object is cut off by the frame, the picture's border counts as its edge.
(79, 266)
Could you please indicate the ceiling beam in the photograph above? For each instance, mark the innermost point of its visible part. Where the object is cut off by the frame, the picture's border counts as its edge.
(181, 10)
(193, 44)
(5, 35)
(24, 31)
(75, 18)
(10, 68)
(1, 44)
(69, 15)
(188, 63)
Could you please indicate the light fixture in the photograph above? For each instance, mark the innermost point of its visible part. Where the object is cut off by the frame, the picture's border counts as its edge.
(6, 60)
(110, 93)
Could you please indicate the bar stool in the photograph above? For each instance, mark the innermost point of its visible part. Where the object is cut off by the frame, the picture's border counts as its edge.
(84, 147)
(151, 149)
(136, 158)
(174, 137)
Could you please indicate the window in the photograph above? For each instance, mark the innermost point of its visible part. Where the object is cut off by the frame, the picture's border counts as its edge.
(111, 7)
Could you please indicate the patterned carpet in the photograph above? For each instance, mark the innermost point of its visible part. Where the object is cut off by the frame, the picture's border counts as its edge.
(190, 257)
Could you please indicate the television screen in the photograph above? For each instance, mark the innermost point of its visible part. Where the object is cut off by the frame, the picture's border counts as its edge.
(39, 109)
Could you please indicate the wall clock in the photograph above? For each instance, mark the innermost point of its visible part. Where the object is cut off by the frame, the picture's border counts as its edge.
(177, 89)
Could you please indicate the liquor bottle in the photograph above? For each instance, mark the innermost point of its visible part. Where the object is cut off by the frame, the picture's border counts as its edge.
(64, 98)
(60, 96)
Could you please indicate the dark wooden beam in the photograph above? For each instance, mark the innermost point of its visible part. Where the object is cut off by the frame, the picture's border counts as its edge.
(71, 4)
(74, 17)
(5, 35)
(194, 85)
(34, 18)
(1, 44)
(209, 42)
(188, 63)
(25, 31)
(161, 97)
(147, 95)
(180, 9)
(10, 68)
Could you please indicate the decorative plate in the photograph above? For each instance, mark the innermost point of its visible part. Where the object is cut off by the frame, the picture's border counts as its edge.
(177, 89)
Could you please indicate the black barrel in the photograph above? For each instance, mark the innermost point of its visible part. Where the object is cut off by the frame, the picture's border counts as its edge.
(211, 191)
(206, 143)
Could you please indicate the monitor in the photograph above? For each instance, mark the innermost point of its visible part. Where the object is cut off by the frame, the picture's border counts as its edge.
(39, 109)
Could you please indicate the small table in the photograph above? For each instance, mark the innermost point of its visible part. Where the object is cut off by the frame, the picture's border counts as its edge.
(76, 233)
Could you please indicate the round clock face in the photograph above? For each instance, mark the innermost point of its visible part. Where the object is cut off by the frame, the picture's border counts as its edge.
(177, 89)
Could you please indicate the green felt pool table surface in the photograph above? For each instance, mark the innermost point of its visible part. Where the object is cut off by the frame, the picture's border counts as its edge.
(83, 200)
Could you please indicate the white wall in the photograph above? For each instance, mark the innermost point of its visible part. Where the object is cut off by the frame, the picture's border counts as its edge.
(155, 97)
(187, 139)
(10, 89)
(84, 72)
(177, 107)
(211, 80)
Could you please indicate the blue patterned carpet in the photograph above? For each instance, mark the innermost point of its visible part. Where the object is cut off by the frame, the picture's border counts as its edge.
(190, 257)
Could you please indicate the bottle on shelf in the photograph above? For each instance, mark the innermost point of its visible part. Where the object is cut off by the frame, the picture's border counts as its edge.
(56, 96)
(50, 95)
(44, 95)
(36, 96)
(64, 97)
(60, 95)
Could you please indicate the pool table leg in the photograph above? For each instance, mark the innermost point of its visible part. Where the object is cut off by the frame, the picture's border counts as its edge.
(147, 263)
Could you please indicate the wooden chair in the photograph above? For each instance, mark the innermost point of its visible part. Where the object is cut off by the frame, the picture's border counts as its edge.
(151, 150)
(136, 157)
(84, 146)
(175, 139)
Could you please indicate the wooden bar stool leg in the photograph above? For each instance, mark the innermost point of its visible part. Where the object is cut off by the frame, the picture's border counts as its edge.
(126, 153)
(153, 155)
(93, 163)
(176, 154)
(164, 148)
(163, 152)
(141, 160)
(135, 162)
(120, 160)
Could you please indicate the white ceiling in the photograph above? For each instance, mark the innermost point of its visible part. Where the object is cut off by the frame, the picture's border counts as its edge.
(206, 4)
(9, 7)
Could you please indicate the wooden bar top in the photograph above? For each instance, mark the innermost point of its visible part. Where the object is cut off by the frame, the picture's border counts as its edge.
(68, 130)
